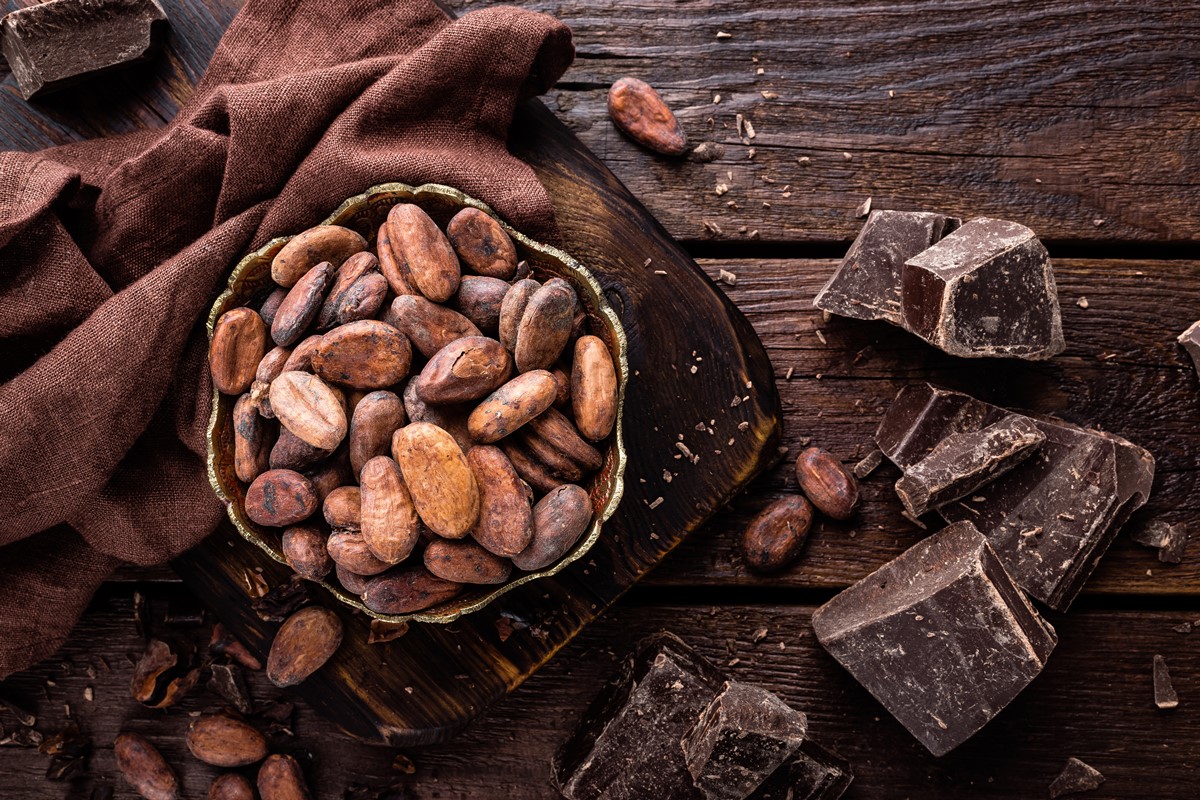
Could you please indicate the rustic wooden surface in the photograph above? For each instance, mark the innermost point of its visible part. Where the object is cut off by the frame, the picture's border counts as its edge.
(1079, 119)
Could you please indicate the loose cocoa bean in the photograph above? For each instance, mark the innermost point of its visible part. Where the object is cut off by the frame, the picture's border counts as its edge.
(292, 452)
(280, 778)
(512, 308)
(560, 466)
(305, 641)
(480, 299)
(428, 326)
(450, 418)
(352, 582)
(545, 326)
(271, 305)
(230, 786)
(309, 408)
(438, 478)
(272, 364)
(389, 518)
(408, 589)
(593, 388)
(301, 305)
(529, 468)
(330, 243)
(144, 768)
(394, 270)
(367, 354)
(301, 358)
(559, 519)
(224, 741)
(465, 562)
(482, 244)
(239, 342)
(774, 538)
(360, 300)
(251, 445)
(355, 267)
(553, 427)
(349, 550)
(417, 242)
(505, 525)
(512, 405)
(638, 111)
(376, 417)
(304, 549)
(563, 381)
(280, 497)
(342, 508)
(827, 483)
(464, 370)
(330, 474)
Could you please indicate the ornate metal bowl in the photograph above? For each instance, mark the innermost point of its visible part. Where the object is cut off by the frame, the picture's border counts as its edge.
(251, 281)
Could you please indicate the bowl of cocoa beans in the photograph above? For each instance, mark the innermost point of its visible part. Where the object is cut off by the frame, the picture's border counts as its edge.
(415, 405)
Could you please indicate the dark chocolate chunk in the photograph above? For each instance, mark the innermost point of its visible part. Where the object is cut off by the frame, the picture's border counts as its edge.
(869, 464)
(1190, 339)
(812, 773)
(53, 45)
(1169, 540)
(1075, 777)
(940, 636)
(962, 462)
(1164, 692)
(1051, 518)
(987, 289)
(228, 681)
(743, 736)
(867, 284)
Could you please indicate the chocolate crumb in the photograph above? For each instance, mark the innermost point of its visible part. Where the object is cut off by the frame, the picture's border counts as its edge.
(1164, 693)
(1075, 777)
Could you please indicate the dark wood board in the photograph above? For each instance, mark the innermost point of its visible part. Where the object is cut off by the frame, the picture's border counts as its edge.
(1094, 701)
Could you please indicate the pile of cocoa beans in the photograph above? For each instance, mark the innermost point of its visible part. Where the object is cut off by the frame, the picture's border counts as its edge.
(417, 416)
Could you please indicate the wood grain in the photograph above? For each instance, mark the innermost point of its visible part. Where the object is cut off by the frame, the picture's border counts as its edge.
(1094, 701)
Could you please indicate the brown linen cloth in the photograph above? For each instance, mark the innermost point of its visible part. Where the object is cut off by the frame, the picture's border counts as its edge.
(112, 252)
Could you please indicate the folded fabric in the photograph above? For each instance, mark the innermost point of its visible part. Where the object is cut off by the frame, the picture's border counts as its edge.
(112, 251)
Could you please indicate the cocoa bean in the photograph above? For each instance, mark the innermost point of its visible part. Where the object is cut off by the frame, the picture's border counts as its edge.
(417, 242)
(301, 305)
(367, 354)
(464, 370)
(553, 427)
(251, 445)
(774, 538)
(349, 273)
(512, 308)
(529, 468)
(301, 358)
(360, 300)
(450, 418)
(304, 549)
(376, 417)
(465, 562)
(428, 326)
(144, 768)
(330, 243)
(280, 497)
(389, 518)
(309, 408)
(593, 388)
(342, 508)
(638, 112)
(352, 582)
(272, 364)
(292, 452)
(239, 342)
(224, 741)
(480, 299)
(559, 465)
(230, 786)
(827, 483)
(330, 474)
(482, 244)
(512, 405)
(280, 778)
(505, 525)
(307, 640)
(394, 270)
(559, 519)
(348, 549)
(438, 478)
(545, 326)
(405, 590)
(563, 397)
(271, 305)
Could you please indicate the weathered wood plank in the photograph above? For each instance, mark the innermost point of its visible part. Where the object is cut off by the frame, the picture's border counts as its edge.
(1094, 701)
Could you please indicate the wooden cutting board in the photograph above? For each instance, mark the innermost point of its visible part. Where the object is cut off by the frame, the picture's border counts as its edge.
(699, 377)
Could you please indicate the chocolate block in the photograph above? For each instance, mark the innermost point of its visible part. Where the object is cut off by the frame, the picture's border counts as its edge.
(1075, 777)
(867, 284)
(743, 736)
(627, 746)
(813, 773)
(962, 462)
(1164, 693)
(1051, 518)
(940, 636)
(986, 290)
(1190, 339)
(61, 42)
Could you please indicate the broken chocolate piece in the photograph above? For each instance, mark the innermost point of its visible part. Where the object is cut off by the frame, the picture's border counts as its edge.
(1164, 692)
(56, 44)
(962, 462)
(813, 773)
(228, 682)
(867, 284)
(1169, 540)
(1049, 519)
(985, 290)
(869, 464)
(743, 736)
(940, 636)
(1190, 339)
(1075, 777)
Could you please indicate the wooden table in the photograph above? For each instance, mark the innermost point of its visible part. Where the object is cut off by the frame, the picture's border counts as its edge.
(1080, 119)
